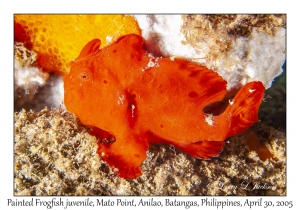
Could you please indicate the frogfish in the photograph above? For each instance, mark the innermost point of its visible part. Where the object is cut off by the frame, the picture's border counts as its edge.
(131, 98)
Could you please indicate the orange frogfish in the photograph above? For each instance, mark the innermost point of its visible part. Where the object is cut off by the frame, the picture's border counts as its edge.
(131, 98)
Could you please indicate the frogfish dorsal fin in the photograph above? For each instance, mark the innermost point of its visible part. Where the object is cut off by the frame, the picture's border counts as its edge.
(90, 48)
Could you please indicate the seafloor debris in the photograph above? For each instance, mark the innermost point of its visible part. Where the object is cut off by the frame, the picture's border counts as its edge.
(27, 76)
(34, 88)
(55, 155)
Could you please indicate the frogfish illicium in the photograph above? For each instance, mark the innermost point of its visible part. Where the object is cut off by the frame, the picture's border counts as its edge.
(132, 98)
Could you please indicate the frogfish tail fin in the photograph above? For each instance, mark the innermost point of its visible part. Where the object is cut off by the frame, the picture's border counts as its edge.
(243, 109)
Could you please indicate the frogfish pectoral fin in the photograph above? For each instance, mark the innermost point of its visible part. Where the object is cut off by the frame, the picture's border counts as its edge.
(199, 149)
(125, 154)
(203, 149)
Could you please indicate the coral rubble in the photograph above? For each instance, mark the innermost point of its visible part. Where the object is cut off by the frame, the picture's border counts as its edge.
(55, 155)
(34, 88)
(241, 48)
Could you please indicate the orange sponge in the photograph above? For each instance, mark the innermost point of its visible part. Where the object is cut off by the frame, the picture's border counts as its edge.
(58, 39)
